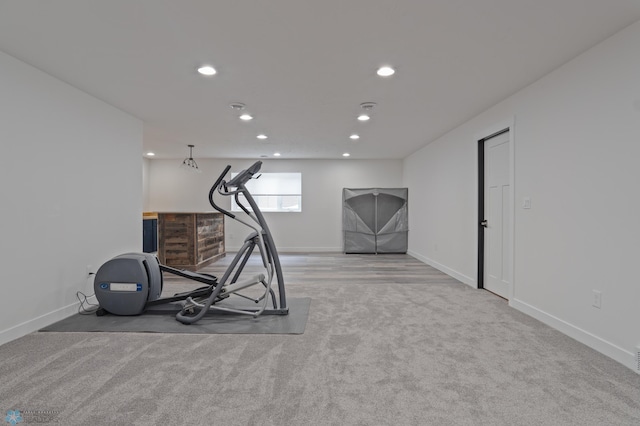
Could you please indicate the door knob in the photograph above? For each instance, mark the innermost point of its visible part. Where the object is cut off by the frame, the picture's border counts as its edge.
(484, 223)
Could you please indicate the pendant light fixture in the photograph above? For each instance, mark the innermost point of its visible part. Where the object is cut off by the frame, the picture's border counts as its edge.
(190, 164)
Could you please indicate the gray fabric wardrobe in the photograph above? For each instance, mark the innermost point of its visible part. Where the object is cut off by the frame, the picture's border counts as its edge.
(375, 220)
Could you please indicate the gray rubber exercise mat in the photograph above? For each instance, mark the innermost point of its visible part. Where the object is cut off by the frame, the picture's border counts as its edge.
(212, 323)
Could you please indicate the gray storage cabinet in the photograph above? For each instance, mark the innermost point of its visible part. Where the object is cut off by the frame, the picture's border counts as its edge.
(375, 220)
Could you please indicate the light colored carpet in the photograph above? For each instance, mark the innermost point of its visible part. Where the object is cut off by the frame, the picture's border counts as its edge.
(389, 341)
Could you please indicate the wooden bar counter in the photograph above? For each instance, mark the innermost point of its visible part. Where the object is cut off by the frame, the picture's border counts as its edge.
(190, 240)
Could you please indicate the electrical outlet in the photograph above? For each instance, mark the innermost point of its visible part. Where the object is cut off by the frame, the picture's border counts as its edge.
(597, 299)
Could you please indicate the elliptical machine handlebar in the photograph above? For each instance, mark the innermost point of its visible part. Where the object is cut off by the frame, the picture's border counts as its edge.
(237, 182)
(219, 182)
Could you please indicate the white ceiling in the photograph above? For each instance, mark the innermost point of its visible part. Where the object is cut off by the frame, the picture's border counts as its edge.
(303, 67)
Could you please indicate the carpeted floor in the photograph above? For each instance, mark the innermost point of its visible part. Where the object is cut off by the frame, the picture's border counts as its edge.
(389, 341)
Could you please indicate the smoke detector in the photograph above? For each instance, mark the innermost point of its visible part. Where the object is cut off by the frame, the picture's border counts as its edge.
(367, 106)
(237, 106)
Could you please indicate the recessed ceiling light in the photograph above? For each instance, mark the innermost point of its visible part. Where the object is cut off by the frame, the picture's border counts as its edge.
(346, 154)
(354, 137)
(276, 154)
(207, 70)
(246, 117)
(261, 136)
(150, 154)
(363, 117)
(385, 71)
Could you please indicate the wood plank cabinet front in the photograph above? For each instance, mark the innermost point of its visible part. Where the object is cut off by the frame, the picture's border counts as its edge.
(190, 240)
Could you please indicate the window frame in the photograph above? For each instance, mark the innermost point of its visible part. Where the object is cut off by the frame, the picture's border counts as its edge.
(279, 195)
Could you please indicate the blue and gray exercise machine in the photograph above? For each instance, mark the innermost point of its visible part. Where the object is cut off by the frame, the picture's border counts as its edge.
(131, 283)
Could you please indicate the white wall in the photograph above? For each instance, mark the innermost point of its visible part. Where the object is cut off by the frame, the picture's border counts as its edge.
(68, 173)
(577, 149)
(145, 184)
(317, 228)
(442, 181)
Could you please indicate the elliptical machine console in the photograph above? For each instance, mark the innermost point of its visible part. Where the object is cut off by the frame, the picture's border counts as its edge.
(131, 283)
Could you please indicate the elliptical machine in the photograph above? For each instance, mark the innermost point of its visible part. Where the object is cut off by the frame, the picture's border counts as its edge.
(131, 283)
(261, 238)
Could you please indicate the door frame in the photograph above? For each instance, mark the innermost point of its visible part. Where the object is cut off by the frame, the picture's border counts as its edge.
(486, 135)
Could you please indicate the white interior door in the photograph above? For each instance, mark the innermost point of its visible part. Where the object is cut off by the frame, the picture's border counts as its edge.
(497, 231)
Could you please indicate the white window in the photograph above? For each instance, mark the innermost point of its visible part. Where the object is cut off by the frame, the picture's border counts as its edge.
(273, 192)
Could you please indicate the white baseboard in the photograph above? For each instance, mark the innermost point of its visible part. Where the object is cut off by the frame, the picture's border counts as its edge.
(309, 249)
(36, 324)
(614, 352)
(297, 249)
(455, 274)
(624, 357)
